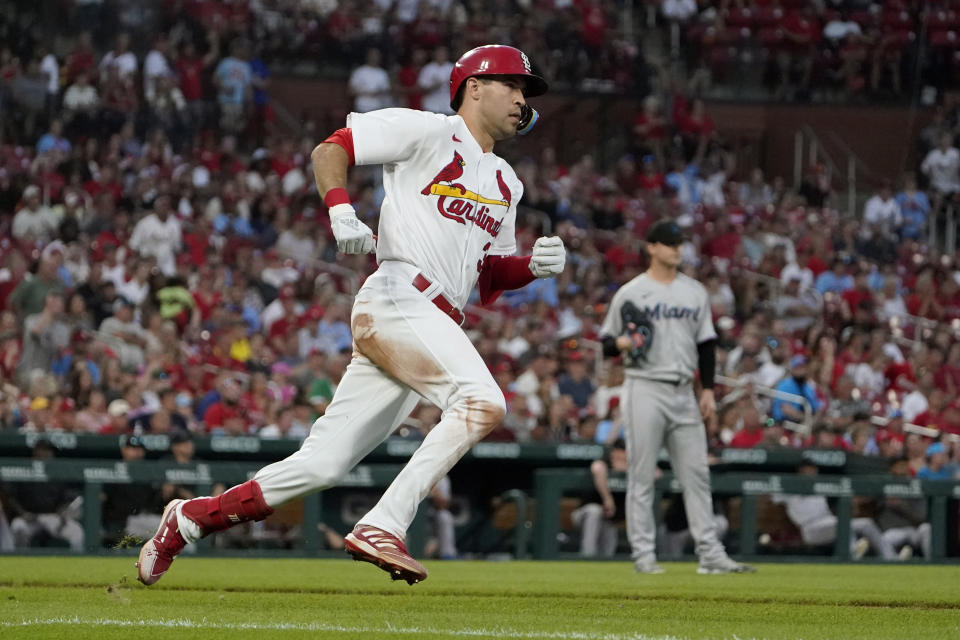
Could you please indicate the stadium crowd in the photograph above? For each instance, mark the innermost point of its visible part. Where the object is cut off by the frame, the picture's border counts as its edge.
(162, 275)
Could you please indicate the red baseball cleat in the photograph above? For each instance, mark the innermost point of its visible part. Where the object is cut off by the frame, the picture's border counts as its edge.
(158, 553)
(385, 550)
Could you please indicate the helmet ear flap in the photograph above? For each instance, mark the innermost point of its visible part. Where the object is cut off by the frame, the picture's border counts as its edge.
(528, 118)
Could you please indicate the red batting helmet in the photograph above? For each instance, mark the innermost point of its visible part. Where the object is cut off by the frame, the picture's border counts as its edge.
(495, 60)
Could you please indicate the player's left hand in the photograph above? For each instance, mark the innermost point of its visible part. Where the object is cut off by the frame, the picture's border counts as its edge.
(708, 405)
(548, 257)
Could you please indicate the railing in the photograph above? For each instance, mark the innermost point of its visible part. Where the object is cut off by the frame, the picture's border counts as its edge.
(96, 475)
(856, 169)
(909, 427)
(808, 149)
(921, 328)
(804, 428)
(551, 484)
(546, 226)
(527, 455)
(949, 241)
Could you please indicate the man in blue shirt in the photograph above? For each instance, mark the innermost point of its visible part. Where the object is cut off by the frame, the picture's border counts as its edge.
(914, 207)
(797, 384)
(234, 80)
(936, 468)
(836, 280)
(575, 382)
(54, 140)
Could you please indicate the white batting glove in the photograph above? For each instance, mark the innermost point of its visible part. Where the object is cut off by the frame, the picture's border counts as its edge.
(548, 257)
(352, 235)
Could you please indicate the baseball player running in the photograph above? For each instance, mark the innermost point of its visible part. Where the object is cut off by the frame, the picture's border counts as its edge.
(660, 321)
(447, 223)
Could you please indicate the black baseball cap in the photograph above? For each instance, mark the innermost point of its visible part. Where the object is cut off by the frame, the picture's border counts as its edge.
(179, 435)
(665, 232)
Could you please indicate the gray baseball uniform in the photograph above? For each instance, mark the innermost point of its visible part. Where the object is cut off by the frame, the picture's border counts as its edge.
(659, 406)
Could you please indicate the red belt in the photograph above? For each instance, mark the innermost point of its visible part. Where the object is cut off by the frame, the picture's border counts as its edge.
(422, 284)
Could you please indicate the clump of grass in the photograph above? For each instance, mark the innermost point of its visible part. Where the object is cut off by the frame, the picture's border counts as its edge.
(128, 542)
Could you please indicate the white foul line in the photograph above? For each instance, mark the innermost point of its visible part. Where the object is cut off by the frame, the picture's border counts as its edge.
(186, 623)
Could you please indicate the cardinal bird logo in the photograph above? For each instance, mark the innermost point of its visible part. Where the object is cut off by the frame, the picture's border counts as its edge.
(448, 174)
(504, 189)
(456, 202)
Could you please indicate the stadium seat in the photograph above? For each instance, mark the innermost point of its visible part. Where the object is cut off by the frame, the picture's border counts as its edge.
(897, 20)
(738, 18)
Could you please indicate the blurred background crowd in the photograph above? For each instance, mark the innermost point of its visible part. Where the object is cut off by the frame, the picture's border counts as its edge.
(167, 266)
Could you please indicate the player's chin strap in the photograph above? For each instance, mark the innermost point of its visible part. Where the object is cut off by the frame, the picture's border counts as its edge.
(528, 118)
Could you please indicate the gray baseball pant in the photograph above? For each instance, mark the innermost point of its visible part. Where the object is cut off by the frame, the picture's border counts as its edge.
(658, 413)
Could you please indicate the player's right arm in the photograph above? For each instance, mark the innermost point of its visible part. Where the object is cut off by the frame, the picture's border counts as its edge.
(614, 343)
(379, 137)
(330, 161)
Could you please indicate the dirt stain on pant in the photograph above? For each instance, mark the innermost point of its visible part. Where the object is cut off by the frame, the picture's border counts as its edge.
(482, 418)
(420, 372)
(404, 362)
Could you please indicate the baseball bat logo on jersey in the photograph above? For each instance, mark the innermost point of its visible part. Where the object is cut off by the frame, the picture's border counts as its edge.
(465, 205)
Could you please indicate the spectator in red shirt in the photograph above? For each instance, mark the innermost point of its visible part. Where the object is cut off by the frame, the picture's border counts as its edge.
(622, 253)
(651, 178)
(80, 59)
(208, 294)
(750, 433)
(593, 26)
(191, 69)
(650, 129)
(693, 124)
(801, 31)
(407, 79)
(937, 401)
(120, 99)
(947, 377)
(626, 175)
(859, 293)
(950, 421)
(820, 252)
(824, 437)
(282, 157)
(106, 181)
(948, 296)
(225, 416)
(724, 241)
(923, 301)
(853, 56)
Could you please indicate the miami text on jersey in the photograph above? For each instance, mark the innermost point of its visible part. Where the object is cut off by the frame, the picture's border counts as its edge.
(456, 202)
(661, 310)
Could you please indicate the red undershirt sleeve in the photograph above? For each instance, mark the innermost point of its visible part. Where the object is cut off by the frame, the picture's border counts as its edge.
(344, 138)
(502, 273)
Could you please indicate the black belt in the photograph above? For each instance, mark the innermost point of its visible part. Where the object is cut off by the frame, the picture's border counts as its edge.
(422, 284)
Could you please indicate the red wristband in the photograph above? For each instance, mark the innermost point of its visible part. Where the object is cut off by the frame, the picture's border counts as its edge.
(337, 195)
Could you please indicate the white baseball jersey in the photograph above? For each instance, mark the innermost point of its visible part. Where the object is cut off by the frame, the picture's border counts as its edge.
(447, 204)
(680, 313)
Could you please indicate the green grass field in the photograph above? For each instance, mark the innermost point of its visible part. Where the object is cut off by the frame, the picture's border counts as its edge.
(74, 598)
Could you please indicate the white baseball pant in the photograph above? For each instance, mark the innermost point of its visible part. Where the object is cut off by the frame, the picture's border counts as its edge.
(824, 531)
(913, 536)
(404, 348)
(598, 534)
(657, 413)
(55, 524)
